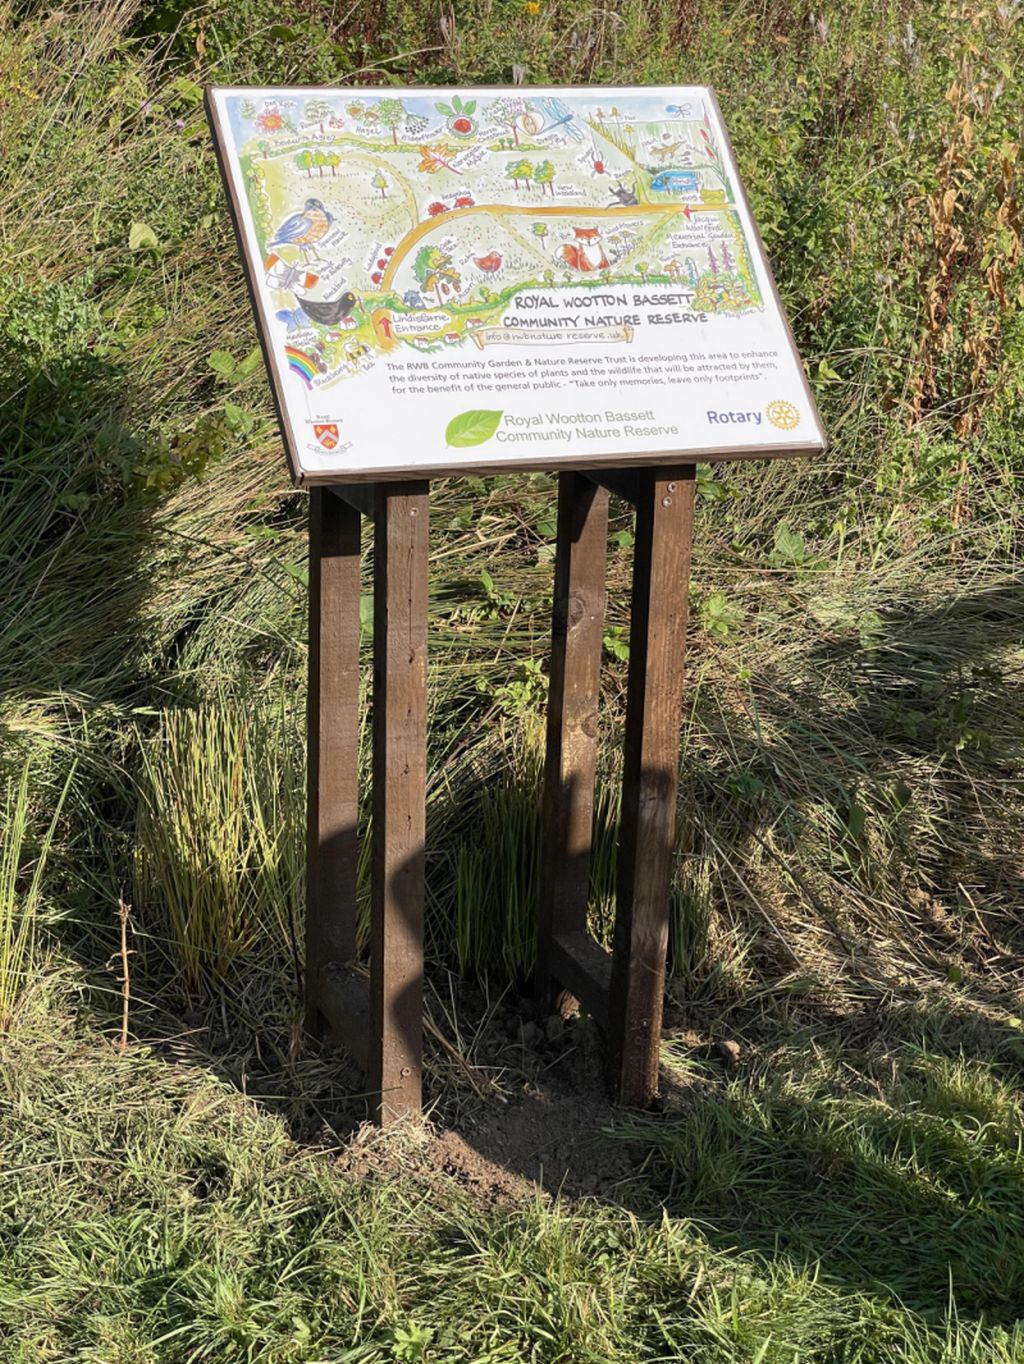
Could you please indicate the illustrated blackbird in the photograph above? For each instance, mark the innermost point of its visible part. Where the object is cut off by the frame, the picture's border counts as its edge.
(304, 229)
(329, 312)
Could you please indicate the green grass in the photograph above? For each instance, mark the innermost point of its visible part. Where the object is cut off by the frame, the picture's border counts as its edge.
(848, 890)
(154, 1213)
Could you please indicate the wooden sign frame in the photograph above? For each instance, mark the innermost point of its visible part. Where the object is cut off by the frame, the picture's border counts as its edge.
(379, 1020)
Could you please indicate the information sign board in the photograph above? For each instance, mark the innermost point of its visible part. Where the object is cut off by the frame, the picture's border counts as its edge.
(491, 279)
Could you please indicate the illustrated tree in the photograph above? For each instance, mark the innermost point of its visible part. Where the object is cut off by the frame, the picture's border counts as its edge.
(434, 270)
(508, 110)
(544, 175)
(334, 161)
(264, 148)
(540, 230)
(247, 109)
(304, 161)
(319, 160)
(519, 170)
(391, 112)
(318, 111)
(379, 182)
(641, 268)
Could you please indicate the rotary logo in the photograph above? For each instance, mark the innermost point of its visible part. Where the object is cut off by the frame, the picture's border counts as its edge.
(782, 414)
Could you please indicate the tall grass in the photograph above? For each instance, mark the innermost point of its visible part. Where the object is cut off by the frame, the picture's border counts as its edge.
(22, 869)
(219, 870)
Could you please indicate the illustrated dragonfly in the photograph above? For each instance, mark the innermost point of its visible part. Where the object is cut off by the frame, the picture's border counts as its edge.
(556, 115)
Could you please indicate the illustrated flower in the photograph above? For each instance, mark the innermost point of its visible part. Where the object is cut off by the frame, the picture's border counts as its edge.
(270, 121)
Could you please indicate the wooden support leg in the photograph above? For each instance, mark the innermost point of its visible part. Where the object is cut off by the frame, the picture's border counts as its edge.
(661, 571)
(571, 760)
(332, 722)
(401, 525)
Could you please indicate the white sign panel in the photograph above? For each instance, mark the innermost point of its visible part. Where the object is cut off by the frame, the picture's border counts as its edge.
(507, 279)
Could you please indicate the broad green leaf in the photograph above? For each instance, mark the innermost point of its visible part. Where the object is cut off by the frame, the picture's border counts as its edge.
(141, 237)
(222, 362)
(469, 107)
(789, 545)
(251, 362)
(855, 821)
(188, 90)
(472, 428)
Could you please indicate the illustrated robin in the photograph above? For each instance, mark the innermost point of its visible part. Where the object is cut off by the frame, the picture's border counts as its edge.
(304, 229)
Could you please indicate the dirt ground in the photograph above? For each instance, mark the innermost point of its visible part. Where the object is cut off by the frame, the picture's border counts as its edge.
(541, 1121)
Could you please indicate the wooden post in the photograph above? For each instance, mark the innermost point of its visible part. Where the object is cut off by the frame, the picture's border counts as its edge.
(332, 726)
(571, 758)
(401, 527)
(661, 572)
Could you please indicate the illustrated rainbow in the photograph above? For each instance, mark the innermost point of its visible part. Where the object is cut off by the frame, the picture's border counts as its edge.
(301, 364)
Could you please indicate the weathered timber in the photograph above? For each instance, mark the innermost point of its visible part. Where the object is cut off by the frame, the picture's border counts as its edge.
(571, 757)
(401, 527)
(661, 570)
(332, 722)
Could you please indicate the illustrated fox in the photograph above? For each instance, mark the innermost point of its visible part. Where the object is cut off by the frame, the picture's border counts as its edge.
(587, 252)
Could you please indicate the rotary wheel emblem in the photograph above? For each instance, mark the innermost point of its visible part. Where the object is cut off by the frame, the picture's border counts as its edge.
(782, 414)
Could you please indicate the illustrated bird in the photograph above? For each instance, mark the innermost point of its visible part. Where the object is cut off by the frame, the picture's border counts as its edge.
(489, 263)
(329, 312)
(304, 229)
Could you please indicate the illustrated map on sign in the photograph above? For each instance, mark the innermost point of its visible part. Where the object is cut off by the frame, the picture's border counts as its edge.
(494, 279)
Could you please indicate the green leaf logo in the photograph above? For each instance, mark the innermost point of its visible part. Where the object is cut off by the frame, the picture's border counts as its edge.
(472, 428)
